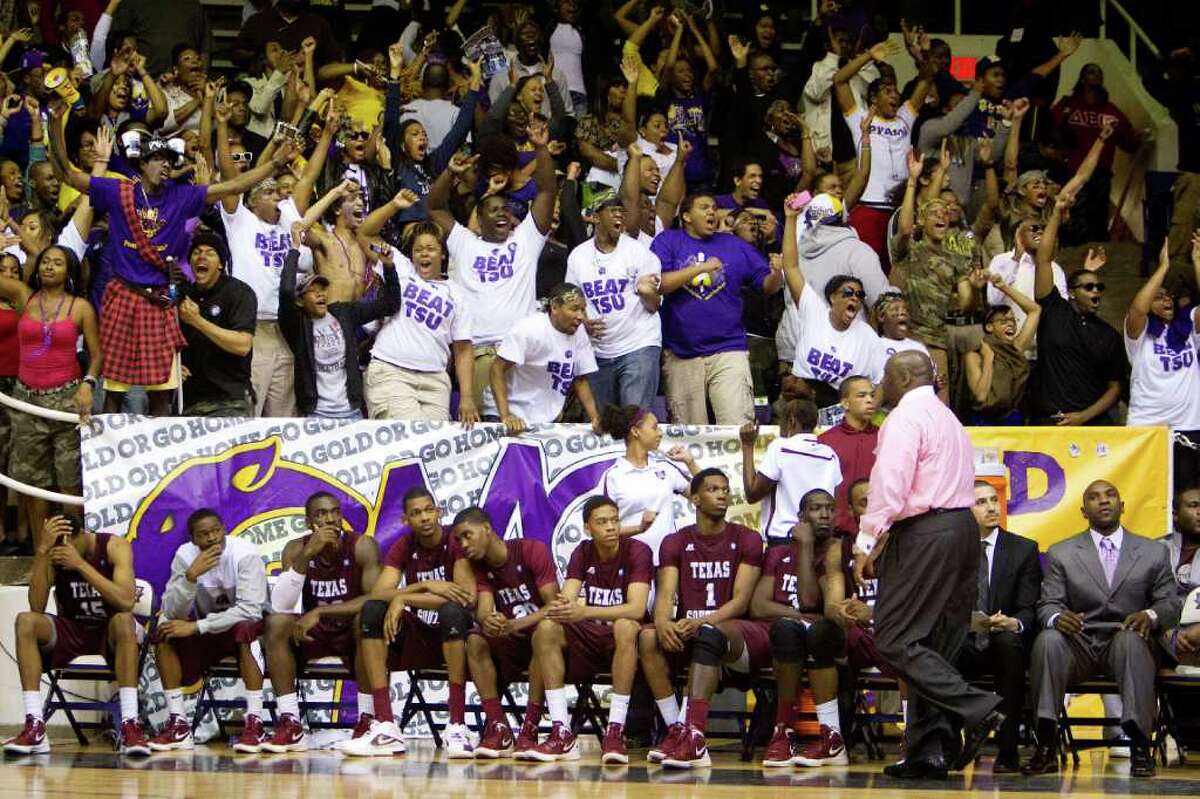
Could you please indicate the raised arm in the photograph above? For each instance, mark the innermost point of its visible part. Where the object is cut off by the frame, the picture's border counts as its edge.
(791, 250)
(542, 207)
(1033, 312)
(1084, 173)
(1067, 45)
(862, 170)
(437, 202)
(1012, 147)
(621, 17)
(1043, 260)
(247, 180)
(1139, 309)
(344, 189)
(841, 79)
(907, 216)
(674, 185)
(631, 190)
(302, 193)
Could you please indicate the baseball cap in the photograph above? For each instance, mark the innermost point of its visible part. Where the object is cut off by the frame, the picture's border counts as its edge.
(986, 63)
(823, 209)
(210, 240)
(310, 280)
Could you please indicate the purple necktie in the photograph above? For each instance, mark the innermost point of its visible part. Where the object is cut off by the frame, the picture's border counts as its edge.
(1108, 559)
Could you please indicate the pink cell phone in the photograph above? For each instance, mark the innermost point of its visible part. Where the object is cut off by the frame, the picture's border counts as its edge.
(800, 200)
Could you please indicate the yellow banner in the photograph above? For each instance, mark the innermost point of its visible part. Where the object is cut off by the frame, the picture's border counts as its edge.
(1049, 467)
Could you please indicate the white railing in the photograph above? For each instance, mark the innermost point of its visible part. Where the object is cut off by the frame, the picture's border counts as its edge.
(45, 413)
(1137, 36)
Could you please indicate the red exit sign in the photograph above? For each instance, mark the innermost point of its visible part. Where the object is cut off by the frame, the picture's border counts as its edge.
(963, 67)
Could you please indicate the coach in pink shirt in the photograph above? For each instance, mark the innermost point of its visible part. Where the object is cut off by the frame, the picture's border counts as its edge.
(920, 538)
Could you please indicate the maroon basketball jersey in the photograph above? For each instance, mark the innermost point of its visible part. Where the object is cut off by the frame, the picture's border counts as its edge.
(846, 543)
(780, 565)
(708, 565)
(515, 584)
(606, 583)
(77, 599)
(418, 563)
(338, 579)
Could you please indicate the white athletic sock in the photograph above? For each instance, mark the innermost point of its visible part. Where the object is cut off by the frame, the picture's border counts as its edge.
(174, 701)
(366, 704)
(33, 703)
(619, 709)
(556, 700)
(683, 710)
(289, 704)
(904, 709)
(827, 714)
(254, 703)
(669, 709)
(129, 705)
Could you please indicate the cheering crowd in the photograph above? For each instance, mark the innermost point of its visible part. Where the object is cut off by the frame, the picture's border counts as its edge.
(527, 214)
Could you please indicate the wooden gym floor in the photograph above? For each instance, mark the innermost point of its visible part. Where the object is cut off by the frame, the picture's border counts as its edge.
(215, 772)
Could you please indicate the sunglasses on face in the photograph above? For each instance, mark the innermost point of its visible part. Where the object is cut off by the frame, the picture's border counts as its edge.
(358, 135)
(1090, 286)
(849, 292)
(242, 158)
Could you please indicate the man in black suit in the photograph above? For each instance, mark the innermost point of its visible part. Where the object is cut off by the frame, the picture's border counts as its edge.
(1005, 618)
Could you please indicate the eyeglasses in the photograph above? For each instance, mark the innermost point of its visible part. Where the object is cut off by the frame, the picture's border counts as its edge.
(849, 292)
(358, 135)
(1090, 286)
(242, 157)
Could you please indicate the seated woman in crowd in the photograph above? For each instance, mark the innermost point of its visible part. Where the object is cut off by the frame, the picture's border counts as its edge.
(997, 372)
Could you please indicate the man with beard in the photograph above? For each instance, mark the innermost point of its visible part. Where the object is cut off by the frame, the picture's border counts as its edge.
(531, 62)
(1004, 621)
(704, 272)
(619, 278)
(218, 313)
(1105, 591)
(1081, 358)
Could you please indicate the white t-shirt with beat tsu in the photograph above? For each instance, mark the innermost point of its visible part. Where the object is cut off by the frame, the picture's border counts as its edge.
(257, 250)
(432, 316)
(609, 284)
(545, 363)
(829, 355)
(497, 279)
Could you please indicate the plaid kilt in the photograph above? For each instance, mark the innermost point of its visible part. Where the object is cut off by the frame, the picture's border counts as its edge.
(139, 339)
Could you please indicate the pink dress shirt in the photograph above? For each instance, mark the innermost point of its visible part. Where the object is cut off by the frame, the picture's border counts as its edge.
(924, 462)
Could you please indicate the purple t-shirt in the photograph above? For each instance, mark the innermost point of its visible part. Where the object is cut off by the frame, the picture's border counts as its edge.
(163, 217)
(706, 319)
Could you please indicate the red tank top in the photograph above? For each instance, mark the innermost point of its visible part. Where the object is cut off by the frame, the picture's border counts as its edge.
(9, 347)
(339, 579)
(77, 599)
(48, 364)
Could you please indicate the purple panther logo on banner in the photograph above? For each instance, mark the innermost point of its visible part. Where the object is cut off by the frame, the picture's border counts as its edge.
(252, 484)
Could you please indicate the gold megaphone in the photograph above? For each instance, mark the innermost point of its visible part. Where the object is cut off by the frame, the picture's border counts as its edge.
(58, 81)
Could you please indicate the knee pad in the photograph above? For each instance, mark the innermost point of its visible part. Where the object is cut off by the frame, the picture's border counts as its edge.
(370, 618)
(455, 621)
(826, 643)
(710, 646)
(788, 640)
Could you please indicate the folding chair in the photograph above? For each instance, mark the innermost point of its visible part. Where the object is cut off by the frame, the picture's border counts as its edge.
(95, 668)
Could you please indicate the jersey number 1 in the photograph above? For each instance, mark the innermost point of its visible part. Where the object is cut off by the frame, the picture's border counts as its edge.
(711, 595)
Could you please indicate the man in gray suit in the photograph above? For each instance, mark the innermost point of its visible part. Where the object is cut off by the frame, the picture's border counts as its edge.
(1104, 592)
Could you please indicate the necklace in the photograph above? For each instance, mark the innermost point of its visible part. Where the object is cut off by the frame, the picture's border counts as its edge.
(357, 275)
(38, 352)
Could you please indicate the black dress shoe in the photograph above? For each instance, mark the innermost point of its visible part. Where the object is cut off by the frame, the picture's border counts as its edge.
(1006, 763)
(974, 738)
(1044, 761)
(916, 770)
(1141, 762)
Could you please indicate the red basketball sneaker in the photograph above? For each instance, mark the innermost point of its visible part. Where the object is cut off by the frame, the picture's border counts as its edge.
(497, 741)
(675, 734)
(31, 741)
(828, 750)
(133, 740)
(289, 736)
(783, 748)
(614, 746)
(559, 745)
(691, 752)
(253, 736)
(175, 734)
(527, 739)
